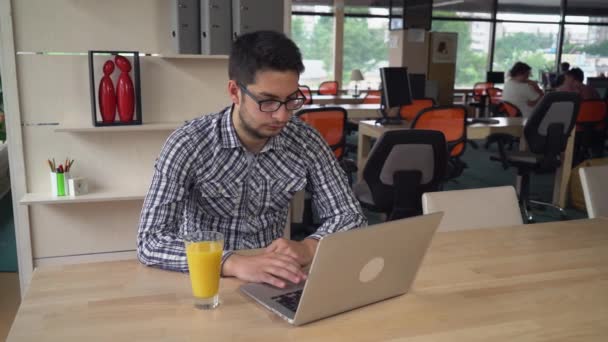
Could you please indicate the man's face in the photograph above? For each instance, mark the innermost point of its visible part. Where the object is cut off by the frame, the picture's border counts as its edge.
(268, 85)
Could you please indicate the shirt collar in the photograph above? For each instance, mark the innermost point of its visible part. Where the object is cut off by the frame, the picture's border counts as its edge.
(229, 138)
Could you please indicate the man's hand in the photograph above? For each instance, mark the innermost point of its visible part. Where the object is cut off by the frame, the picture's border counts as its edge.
(301, 251)
(271, 268)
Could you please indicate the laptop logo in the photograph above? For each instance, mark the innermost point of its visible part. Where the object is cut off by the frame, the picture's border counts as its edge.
(371, 270)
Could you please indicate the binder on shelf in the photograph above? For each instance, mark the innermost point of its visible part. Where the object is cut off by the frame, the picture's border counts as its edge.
(185, 26)
(215, 27)
(255, 15)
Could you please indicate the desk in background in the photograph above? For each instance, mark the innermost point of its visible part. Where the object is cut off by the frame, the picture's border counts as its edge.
(540, 282)
(336, 99)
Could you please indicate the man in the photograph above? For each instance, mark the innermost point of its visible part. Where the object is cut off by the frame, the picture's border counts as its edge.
(564, 67)
(236, 171)
(573, 82)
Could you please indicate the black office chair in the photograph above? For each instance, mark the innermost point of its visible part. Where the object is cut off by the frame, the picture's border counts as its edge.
(402, 165)
(546, 133)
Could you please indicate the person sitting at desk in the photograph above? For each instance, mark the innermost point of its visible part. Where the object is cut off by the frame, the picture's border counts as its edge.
(520, 90)
(573, 82)
(236, 171)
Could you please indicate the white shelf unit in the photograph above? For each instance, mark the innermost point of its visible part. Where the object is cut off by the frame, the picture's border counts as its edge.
(47, 198)
(146, 127)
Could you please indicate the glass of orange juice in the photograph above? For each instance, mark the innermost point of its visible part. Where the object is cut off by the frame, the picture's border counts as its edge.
(204, 254)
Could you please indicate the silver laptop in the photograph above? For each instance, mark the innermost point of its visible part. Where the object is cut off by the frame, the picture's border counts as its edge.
(352, 269)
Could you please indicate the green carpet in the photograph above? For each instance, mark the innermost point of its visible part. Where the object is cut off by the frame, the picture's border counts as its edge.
(8, 248)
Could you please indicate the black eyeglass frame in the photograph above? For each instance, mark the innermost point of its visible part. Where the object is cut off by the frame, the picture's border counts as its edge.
(277, 103)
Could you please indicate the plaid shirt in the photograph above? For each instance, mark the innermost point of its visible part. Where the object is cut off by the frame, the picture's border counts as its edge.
(205, 179)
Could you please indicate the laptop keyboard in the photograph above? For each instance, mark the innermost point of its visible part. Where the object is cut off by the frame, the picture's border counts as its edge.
(289, 300)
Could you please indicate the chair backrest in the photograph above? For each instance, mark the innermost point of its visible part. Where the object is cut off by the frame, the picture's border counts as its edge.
(480, 89)
(551, 122)
(592, 114)
(495, 95)
(307, 94)
(508, 109)
(372, 97)
(417, 158)
(474, 208)
(409, 112)
(450, 120)
(329, 88)
(331, 123)
(594, 180)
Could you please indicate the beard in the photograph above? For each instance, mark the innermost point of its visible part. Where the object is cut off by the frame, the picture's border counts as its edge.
(249, 128)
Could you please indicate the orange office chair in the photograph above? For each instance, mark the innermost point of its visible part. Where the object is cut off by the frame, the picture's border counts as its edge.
(307, 94)
(329, 88)
(372, 97)
(451, 121)
(409, 112)
(480, 91)
(590, 130)
(331, 123)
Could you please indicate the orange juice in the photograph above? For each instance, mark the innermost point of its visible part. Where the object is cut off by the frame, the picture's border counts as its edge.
(204, 259)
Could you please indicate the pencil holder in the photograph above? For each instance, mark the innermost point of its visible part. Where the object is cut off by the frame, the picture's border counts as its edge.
(58, 184)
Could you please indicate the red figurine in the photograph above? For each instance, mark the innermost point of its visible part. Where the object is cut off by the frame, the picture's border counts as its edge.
(125, 92)
(107, 96)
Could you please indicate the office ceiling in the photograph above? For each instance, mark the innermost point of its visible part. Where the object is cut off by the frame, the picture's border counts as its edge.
(580, 7)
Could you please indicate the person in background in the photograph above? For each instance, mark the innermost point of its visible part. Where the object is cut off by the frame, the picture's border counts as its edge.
(564, 67)
(236, 171)
(520, 90)
(573, 82)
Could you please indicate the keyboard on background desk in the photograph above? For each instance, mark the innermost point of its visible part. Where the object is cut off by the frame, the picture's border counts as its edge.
(487, 121)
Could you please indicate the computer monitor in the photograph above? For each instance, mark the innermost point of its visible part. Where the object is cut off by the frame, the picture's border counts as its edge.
(600, 84)
(396, 92)
(418, 85)
(496, 77)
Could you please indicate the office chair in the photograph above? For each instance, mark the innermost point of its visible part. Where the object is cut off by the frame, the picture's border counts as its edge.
(546, 133)
(409, 112)
(504, 109)
(594, 182)
(480, 92)
(590, 130)
(329, 88)
(372, 97)
(474, 208)
(402, 165)
(307, 94)
(451, 121)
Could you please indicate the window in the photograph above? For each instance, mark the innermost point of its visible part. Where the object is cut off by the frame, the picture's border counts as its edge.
(365, 42)
(531, 43)
(312, 29)
(473, 48)
(586, 47)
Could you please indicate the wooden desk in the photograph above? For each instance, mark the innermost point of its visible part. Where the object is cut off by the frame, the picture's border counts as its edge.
(355, 111)
(541, 282)
(368, 129)
(336, 100)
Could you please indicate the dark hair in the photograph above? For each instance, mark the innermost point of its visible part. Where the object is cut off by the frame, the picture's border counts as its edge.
(262, 50)
(519, 68)
(565, 66)
(577, 74)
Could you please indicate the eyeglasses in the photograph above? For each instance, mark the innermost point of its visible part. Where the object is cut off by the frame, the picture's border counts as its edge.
(269, 106)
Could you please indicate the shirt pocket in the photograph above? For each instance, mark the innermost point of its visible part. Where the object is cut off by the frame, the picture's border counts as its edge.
(282, 191)
(219, 199)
